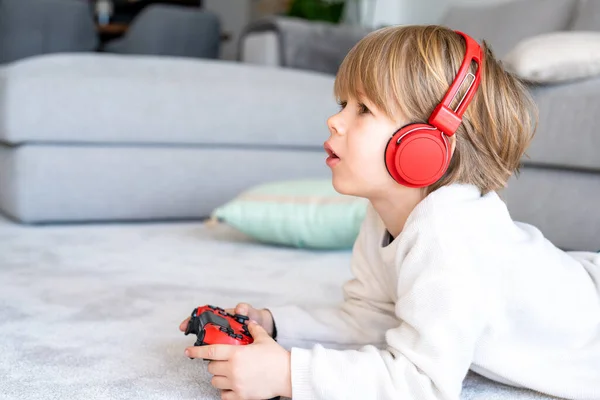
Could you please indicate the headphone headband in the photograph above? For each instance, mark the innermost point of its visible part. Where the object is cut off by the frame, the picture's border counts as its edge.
(442, 117)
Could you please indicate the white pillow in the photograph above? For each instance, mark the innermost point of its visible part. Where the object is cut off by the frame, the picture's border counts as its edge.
(556, 57)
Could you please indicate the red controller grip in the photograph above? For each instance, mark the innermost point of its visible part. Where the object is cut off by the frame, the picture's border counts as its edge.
(213, 325)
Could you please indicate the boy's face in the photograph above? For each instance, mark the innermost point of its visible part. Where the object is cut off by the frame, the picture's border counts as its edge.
(359, 134)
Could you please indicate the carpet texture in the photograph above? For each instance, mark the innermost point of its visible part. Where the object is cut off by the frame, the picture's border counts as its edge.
(92, 312)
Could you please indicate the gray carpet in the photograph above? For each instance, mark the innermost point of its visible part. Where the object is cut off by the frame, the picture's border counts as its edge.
(92, 312)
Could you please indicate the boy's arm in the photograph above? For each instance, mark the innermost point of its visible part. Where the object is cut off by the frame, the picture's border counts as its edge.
(442, 309)
(363, 317)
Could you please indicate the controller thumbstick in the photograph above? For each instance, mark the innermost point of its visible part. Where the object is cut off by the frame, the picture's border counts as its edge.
(240, 318)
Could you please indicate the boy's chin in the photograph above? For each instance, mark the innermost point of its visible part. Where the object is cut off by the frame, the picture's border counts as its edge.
(345, 187)
(365, 189)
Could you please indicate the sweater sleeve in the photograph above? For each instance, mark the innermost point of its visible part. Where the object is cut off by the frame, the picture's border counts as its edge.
(442, 312)
(364, 315)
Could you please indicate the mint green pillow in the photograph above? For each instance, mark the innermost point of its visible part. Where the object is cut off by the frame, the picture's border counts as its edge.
(299, 213)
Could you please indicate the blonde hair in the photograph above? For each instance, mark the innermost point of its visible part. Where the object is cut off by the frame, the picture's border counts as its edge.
(406, 70)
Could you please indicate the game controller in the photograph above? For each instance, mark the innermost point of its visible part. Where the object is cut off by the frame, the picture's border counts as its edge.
(212, 325)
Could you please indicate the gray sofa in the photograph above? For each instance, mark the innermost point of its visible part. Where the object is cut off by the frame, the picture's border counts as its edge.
(104, 137)
(559, 186)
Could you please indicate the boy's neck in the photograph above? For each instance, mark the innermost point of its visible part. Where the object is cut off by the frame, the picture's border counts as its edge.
(395, 206)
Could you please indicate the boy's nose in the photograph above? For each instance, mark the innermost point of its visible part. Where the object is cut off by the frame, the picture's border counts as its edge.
(335, 125)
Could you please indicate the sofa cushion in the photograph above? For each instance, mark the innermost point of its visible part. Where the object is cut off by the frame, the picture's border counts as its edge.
(74, 183)
(305, 213)
(505, 24)
(556, 57)
(562, 204)
(104, 98)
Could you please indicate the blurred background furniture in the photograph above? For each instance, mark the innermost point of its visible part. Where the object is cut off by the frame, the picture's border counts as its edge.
(122, 13)
(169, 30)
(321, 46)
(34, 27)
(125, 11)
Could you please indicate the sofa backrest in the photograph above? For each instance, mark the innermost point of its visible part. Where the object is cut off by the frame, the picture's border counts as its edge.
(587, 16)
(503, 25)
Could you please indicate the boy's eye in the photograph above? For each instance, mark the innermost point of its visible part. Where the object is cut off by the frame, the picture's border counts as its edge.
(342, 104)
(363, 109)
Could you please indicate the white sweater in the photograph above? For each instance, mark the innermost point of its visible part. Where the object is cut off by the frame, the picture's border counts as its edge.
(462, 287)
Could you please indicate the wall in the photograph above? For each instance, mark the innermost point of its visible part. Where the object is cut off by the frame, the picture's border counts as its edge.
(475, 2)
(389, 12)
(234, 15)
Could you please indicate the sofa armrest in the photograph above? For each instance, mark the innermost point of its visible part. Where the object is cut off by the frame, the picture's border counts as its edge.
(297, 43)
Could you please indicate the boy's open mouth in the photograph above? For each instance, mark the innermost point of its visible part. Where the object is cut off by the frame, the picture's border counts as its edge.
(332, 159)
(330, 151)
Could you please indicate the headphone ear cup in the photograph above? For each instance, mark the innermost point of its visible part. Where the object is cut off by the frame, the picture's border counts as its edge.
(390, 155)
(417, 155)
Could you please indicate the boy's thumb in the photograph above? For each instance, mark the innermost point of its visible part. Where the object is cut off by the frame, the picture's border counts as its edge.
(257, 331)
(242, 309)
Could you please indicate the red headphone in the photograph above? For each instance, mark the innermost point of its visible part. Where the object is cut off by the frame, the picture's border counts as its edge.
(418, 155)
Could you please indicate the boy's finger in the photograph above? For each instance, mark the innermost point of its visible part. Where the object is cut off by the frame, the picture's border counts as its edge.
(184, 324)
(258, 332)
(218, 368)
(221, 382)
(242, 308)
(229, 395)
(219, 352)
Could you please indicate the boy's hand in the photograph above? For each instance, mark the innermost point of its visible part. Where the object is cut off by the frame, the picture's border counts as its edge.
(262, 317)
(260, 370)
